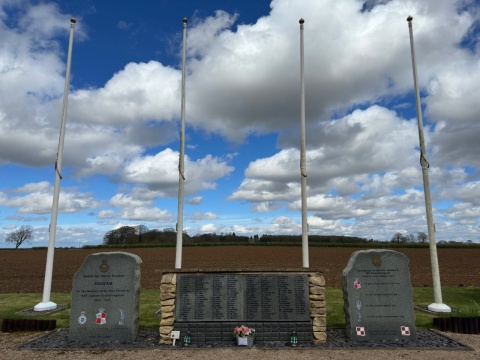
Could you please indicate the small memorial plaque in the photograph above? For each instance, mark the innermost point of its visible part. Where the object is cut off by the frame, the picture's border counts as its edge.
(105, 298)
(242, 297)
(377, 295)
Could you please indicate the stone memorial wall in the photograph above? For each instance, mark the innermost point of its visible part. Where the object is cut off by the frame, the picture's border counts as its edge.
(377, 294)
(210, 305)
(235, 297)
(105, 298)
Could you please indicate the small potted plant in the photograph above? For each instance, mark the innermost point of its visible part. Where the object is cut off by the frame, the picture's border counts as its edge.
(244, 335)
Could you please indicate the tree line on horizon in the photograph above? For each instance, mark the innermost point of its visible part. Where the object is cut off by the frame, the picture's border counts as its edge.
(129, 235)
(133, 235)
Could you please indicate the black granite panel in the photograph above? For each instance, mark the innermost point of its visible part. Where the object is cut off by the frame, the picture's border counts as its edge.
(242, 297)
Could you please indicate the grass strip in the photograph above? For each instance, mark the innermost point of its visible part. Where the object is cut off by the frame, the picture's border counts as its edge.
(462, 300)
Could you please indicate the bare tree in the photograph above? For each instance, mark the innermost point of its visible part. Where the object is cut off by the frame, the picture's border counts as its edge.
(140, 230)
(422, 237)
(408, 239)
(18, 237)
(397, 237)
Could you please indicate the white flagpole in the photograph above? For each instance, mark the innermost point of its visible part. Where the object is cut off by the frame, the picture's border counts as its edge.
(46, 304)
(303, 161)
(181, 174)
(438, 306)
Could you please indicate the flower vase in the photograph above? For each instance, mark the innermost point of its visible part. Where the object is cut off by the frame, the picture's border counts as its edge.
(245, 341)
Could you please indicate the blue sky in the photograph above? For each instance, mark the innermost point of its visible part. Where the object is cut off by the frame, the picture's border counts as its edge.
(242, 114)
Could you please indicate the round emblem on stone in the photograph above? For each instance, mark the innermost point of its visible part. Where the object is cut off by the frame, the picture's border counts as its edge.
(377, 260)
(82, 319)
(104, 267)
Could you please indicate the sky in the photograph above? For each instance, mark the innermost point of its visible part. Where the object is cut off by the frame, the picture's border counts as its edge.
(242, 164)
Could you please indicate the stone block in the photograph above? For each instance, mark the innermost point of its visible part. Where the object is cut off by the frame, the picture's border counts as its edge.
(317, 304)
(320, 321)
(317, 290)
(317, 280)
(167, 309)
(316, 297)
(169, 302)
(167, 321)
(167, 288)
(317, 311)
(167, 296)
(170, 279)
(319, 336)
(166, 330)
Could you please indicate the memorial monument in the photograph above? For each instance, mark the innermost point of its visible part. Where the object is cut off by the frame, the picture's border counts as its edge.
(106, 298)
(377, 295)
(209, 305)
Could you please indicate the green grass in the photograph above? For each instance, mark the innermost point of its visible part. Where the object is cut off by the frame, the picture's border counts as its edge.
(463, 301)
(10, 304)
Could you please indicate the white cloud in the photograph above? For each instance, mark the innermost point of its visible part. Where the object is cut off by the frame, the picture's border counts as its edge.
(140, 92)
(146, 214)
(208, 228)
(197, 200)
(40, 201)
(362, 158)
(464, 212)
(329, 226)
(123, 200)
(204, 33)
(203, 216)
(33, 187)
(265, 206)
(160, 172)
(376, 141)
(467, 192)
(258, 58)
(107, 214)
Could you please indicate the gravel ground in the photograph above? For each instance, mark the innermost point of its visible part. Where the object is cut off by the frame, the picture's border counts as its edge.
(429, 345)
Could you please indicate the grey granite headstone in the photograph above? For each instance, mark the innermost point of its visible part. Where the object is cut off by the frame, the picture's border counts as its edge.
(106, 298)
(377, 295)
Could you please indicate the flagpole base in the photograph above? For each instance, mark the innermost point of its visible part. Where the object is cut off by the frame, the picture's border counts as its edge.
(439, 308)
(45, 306)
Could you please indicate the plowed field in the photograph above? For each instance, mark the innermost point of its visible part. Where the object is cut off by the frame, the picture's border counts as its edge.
(24, 270)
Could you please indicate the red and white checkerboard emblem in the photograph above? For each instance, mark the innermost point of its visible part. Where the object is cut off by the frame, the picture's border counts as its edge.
(405, 330)
(101, 317)
(360, 331)
(357, 284)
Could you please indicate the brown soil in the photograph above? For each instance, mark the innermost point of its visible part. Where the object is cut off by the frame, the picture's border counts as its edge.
(24, 270)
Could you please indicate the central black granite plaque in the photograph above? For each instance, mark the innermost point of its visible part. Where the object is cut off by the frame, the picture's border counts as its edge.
(242, 297)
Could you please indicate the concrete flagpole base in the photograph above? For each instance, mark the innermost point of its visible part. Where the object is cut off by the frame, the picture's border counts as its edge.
(439, 308)
(45, 306)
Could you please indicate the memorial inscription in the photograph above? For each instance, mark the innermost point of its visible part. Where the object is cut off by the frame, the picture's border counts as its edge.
(377, 294)
(242, 297)
(105, 298)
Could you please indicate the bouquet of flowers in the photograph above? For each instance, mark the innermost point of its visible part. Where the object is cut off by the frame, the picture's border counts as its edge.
(243, 331)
